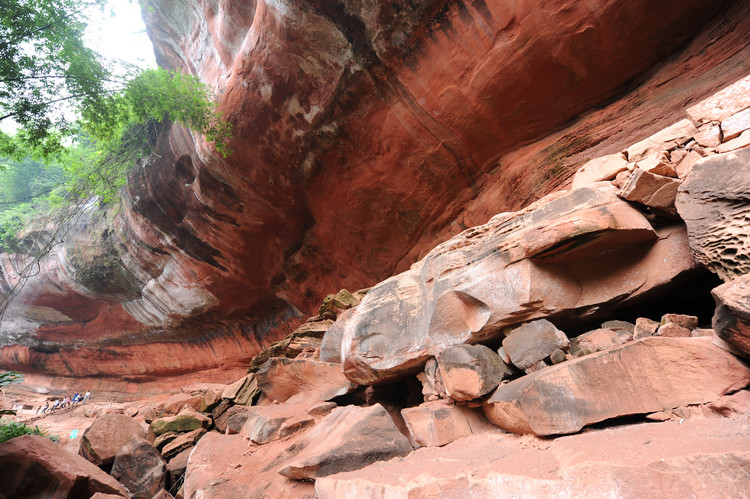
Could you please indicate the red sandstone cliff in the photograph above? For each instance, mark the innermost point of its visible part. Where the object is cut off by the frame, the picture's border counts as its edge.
(363, 136)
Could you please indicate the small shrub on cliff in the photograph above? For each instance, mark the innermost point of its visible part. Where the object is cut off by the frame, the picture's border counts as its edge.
(13, 429)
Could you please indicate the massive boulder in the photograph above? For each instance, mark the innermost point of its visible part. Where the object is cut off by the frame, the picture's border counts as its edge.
(140, 468)
(570, 255)
(302, 380)
(101, 441)
(470, 371)
(643, 376)
(438, 423)
(347, 439)
(418, 107)
(33, 466)
(187, 419)
(230, 466)
(715, 204)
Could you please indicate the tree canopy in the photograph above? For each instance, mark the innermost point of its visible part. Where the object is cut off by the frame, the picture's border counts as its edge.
(44, 65)
(53, 86)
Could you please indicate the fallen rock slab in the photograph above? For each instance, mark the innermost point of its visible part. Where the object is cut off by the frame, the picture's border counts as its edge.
(182, 442)
(573, 254)
(653, 190)
(187, 420)
(470, 371)
(714, 202)
(596, 341)
(140, 468)
(663, 140)
(731, 320)
(33, 466)
(302, 380)
(702, 458)
(734, 125)
(177, 465)
(230, 466)
(723, 104)
(599, 169)
(438, 423)
(647, 375)
(101, 441)
(349, 438)
(260, 429)
(644, 327)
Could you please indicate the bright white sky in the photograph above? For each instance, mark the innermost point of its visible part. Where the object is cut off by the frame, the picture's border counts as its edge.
(121, 34)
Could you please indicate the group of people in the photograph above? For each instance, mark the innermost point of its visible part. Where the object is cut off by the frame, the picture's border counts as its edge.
(68, 401)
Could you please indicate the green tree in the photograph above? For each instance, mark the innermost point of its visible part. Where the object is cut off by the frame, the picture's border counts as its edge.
(44, 64)
(46, 71)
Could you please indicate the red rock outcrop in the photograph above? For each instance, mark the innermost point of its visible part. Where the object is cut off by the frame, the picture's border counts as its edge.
(715, 204)
(731, 320)
(101, 441)
(33, 466)
(140, 468)
(574, 254)
(656, 460)
(384, 128)
(644, 376)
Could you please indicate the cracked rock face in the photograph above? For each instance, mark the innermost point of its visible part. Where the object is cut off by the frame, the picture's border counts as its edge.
(381, 127)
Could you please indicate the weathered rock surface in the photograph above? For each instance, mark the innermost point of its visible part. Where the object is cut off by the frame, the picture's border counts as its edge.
(696, 458)
(260, 429)
(411, 105)
(101, 441)
(140, 468)
(182, 442)
(670, 137)
(235, 420)
(178, 464)
(644, 376)
(438, 423)
(533, 342)
(653, 190)
(723, 104)
(470, 371)
(714, 201)
(574, 254)
(231, 466)
(598, 169)
(731, 319)
(671, 330)
(32, 466)
(349, 438)
(186, 420)
(304, 338)
(243, 392)
(596, 341)
(644, 328)
(302, 380)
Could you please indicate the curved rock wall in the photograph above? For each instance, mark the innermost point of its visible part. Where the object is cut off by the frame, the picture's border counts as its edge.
(364, 133)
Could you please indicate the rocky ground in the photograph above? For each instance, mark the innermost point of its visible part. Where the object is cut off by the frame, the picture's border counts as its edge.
(541, 354)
